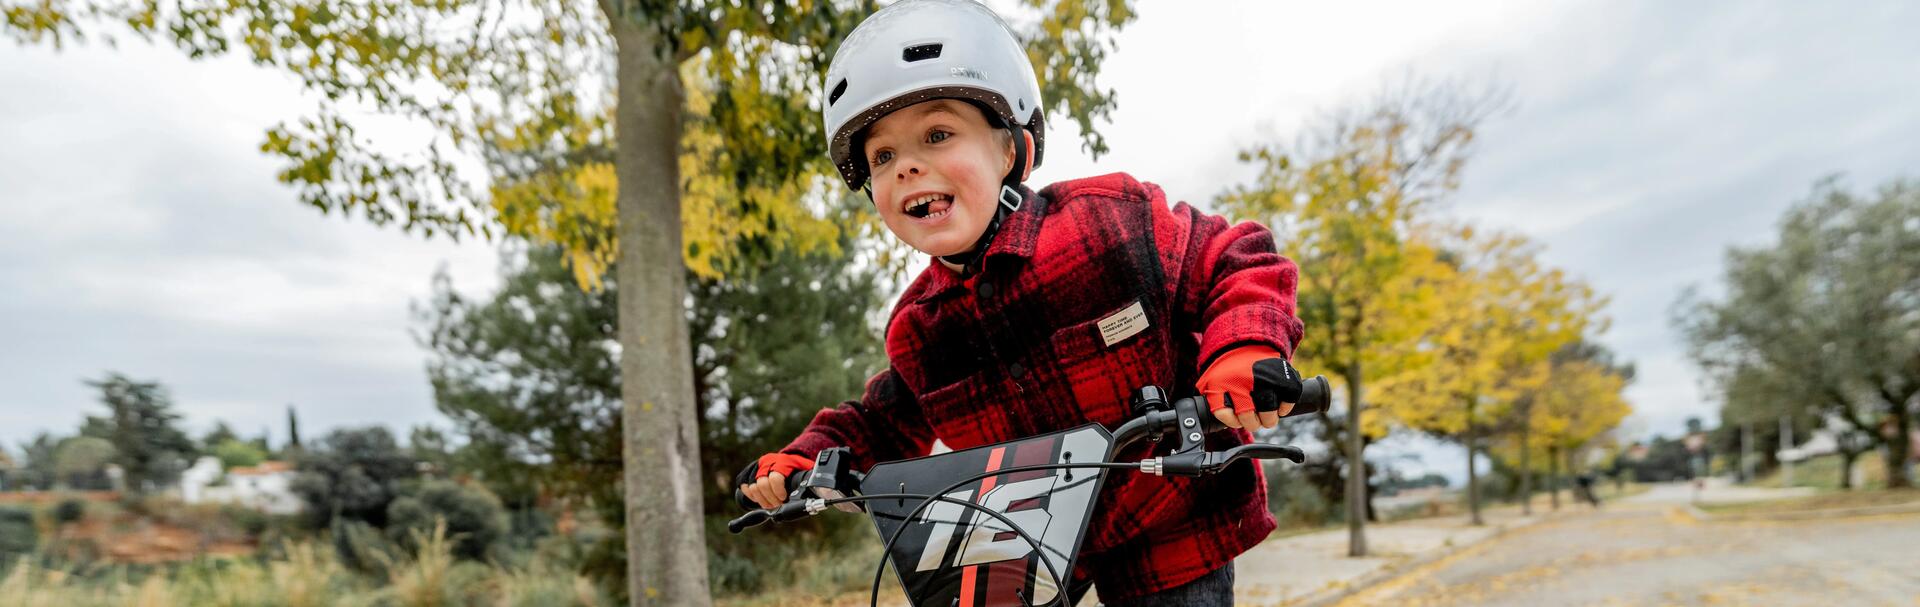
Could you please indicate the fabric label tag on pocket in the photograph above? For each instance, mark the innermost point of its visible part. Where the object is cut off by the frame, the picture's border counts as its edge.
(1119, 326)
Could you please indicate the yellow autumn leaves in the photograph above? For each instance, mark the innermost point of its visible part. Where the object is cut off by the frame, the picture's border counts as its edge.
(1449, 329)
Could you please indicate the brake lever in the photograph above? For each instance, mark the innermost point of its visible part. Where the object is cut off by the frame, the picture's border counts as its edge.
(1191, 457)
(790, 511)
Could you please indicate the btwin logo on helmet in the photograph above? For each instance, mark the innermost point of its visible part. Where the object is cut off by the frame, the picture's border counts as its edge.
(966, 72)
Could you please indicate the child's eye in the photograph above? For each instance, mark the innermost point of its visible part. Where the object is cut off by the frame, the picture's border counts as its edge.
(937, 136)
(882, 157)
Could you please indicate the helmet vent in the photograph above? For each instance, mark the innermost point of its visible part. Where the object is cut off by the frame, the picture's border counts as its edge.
(838, 90)
(920, 53)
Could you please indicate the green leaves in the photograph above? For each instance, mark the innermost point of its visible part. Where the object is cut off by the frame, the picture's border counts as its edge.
(1825, 321)
(527, 87)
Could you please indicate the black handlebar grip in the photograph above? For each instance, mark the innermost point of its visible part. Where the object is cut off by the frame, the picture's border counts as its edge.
(1315, 396)
(750, 519)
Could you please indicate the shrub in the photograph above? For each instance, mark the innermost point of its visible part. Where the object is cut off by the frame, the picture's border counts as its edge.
(432, 577)
(352, 473)
(237, 454)
(18, 535)
(70, 510)
(360, 547)
(474, 518)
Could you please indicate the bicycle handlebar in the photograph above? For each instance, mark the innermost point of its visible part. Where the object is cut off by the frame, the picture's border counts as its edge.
(1155, 418)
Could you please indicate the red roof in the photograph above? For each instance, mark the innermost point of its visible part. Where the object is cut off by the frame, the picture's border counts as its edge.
(265, 468)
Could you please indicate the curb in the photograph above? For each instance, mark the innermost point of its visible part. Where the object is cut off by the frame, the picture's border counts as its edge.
(1804, 515)
(1330, 596)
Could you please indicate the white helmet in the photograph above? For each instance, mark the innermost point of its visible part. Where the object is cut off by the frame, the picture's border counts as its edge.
(915, 50)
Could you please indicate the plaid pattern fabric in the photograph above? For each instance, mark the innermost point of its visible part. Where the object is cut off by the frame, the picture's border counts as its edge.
(1018, 350)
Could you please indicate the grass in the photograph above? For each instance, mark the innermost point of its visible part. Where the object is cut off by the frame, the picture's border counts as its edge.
(1823, 473)
(1838, 500)
(304, 575)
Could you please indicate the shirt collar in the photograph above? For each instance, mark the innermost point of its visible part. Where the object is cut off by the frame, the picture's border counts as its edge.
(1019, 233)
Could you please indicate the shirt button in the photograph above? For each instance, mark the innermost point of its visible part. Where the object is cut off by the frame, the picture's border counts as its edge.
(986, 290)
(1017, 370)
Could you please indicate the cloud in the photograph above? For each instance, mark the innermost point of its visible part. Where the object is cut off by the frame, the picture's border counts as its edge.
(145, 234)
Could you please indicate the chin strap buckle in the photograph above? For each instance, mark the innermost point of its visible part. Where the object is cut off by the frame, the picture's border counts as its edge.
(1011, 198)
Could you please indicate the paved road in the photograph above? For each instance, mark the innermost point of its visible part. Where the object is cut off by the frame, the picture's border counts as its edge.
(1646, 551)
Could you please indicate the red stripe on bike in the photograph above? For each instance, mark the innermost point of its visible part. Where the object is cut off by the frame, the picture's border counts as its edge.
(967, 576)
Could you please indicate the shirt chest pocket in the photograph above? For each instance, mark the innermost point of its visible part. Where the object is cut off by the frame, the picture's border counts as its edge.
(973, 411)
(1104, 360)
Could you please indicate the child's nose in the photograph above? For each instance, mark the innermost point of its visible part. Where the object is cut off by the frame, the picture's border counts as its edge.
(908, 167)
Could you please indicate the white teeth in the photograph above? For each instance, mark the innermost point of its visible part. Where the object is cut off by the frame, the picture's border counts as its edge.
(916, 203)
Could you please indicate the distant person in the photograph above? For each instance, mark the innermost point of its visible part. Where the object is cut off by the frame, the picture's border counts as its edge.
(1584, 485)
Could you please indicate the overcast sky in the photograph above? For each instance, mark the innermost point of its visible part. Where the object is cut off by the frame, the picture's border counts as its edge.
(144, 233)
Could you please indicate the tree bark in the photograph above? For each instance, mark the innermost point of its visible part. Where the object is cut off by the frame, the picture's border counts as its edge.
(1899, 446)
(1846, 468)
(1553, 476)
(1473, 480)
(666, 546)
(1356, 468)
(1526, 471)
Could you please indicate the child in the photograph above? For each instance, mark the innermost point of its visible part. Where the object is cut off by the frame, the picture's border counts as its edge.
(1046, 310)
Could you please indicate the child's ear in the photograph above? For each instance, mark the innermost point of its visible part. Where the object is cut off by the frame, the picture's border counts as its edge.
(1027, 171)
(1027, 140)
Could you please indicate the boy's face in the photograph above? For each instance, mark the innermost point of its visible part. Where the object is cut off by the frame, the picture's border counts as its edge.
(936, 168)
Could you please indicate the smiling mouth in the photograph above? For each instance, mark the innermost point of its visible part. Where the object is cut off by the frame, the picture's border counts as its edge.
(930, 205)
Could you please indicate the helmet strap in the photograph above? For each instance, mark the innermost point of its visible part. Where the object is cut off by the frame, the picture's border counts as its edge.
(1010, 200)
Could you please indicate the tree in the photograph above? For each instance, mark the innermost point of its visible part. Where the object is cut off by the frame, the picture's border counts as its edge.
(1529, 413)
(473, 517)
(148, 444)
(774, 348)
(293, 430)
(1347, 195)
(236, 453)
(352, 474)
(1580, 400)
(37, 457)
(1504, 313)
(80, 463)
(8, 470)
(432, 449)
(530, 378)
(590, 118)
(218, 435)
(1825, 317)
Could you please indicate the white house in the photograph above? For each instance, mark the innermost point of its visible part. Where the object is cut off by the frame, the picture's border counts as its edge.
(266, 487)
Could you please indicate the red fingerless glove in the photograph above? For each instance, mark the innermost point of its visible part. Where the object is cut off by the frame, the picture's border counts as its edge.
(1228, 382)
(782, 463)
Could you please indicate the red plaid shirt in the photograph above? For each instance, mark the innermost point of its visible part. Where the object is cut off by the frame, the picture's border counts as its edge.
(1016, 351)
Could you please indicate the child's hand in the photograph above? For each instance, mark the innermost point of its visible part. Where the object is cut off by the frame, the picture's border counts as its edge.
(1250, 386)
(765, 481)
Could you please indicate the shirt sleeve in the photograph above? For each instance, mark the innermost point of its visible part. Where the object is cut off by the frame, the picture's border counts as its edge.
(1237, 285)
(885, 424)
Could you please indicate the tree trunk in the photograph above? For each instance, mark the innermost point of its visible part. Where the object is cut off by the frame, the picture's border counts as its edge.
(1846, 468)
(666, 546)
(1356, 469)
(1553, 476)
(1786, 442)
(1899, 448)
(1473, 480)
(1526, 471)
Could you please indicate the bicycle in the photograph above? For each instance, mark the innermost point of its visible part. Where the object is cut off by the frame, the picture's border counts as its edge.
(949, 516)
